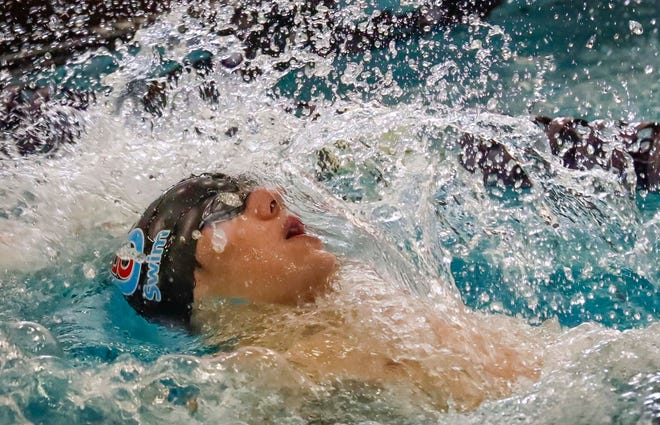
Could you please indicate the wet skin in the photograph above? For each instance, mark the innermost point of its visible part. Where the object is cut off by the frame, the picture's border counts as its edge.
(377, 335)
(268, 256)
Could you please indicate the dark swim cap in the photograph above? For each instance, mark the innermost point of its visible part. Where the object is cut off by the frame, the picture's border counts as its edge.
(155, 269)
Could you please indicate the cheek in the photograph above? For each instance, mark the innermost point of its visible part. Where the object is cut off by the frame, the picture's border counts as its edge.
(259, 234)
(258, 252)
(249, 238)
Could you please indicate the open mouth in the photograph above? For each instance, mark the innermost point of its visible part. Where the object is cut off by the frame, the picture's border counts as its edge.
(293, 227)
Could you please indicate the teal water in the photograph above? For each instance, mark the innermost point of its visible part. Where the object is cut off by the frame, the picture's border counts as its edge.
(579, 248)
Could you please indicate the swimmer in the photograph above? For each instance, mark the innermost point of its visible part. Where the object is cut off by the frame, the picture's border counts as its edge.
(223, 256)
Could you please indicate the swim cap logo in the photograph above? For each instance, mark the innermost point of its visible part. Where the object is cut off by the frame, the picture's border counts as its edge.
(150, 290)
(126, 271)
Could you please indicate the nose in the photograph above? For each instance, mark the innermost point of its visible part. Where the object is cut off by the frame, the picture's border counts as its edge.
(265, 204)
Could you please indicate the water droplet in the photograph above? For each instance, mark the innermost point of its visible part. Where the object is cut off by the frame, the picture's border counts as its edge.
(591, 42)
(492, 104)
(89, 271)
(229, 198)
(33, 339)
(497, 307)
(648, 69)
(476, 44)
(392, 48)
(578, 300)
(219, 239)
(635, 27)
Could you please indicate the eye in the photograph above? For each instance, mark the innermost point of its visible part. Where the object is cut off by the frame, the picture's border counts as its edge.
(273, 206)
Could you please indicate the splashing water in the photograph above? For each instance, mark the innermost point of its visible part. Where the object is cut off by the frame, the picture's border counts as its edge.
(366, 145)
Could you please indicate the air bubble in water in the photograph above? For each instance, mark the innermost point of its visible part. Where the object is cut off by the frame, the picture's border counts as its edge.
(635, 27)
(648, 69)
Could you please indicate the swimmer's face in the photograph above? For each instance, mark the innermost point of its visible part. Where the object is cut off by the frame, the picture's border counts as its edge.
(264, 256)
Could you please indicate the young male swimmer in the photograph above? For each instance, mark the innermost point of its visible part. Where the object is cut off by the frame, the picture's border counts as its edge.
(225, 256)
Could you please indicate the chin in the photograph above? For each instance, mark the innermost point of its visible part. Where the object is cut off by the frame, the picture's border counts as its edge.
(321, 268)
(325, 261)
(327, 267)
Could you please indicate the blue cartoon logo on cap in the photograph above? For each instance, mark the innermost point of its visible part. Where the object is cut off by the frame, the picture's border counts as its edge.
(126, 270)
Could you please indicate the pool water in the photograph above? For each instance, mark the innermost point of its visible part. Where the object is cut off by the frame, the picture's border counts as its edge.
(575, 256)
